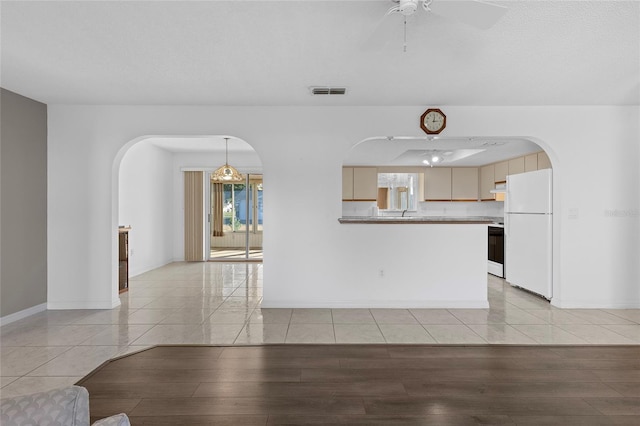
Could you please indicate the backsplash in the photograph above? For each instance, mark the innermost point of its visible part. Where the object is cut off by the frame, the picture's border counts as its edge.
(429, 208)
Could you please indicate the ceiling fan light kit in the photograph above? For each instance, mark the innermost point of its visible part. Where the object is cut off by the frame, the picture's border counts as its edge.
(404, 7)
(477, 13)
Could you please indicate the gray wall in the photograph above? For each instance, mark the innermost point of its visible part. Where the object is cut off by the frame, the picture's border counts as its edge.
(23, 198)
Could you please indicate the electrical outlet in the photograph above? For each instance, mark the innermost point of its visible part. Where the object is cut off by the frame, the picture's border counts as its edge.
(381, 273)
(130, 252)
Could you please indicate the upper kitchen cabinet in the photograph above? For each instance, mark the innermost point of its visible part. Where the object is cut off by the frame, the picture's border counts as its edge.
(437, 184)
(516, 166)
(526, 163)
(543, 161)
(531, 163)
(359, 183)
(365, 183)
(447, 168)
(464, 184)
(347, 183)
(487, 182)
(501, 171)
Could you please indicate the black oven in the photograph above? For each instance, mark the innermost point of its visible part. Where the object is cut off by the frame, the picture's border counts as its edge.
(496, 250)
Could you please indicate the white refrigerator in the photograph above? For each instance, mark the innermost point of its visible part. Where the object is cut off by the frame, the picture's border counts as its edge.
(528, 232)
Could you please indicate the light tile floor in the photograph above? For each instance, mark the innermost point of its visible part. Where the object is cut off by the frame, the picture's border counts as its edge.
(219, 303)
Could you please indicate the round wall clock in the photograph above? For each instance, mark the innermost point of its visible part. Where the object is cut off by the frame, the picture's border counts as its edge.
(433, 121)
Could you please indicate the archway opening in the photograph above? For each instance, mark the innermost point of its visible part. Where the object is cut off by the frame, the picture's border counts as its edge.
(458, 178)
(153, 200)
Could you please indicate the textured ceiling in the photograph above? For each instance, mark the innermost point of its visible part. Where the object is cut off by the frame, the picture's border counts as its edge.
(270, 53)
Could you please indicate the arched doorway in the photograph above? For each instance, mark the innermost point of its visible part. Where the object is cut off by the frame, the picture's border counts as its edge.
(462, 177)
(152, 192)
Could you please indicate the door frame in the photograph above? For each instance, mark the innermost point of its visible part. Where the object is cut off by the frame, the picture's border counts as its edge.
(249, 213)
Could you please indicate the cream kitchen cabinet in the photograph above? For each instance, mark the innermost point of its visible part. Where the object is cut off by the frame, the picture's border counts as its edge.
(359, 183)
(501, 171)
(543, 161)
(437, 184)
(531, 163)
(347, 183)
(464, 183)
(487, 182)
(516, 166)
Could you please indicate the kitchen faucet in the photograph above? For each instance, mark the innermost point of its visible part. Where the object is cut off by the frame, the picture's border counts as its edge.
(403, 212)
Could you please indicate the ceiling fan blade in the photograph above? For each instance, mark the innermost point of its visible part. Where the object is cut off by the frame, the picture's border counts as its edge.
(477, 13)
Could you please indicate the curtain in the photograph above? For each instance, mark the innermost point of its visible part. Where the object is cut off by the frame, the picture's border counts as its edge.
(194, 216)
(217, 203)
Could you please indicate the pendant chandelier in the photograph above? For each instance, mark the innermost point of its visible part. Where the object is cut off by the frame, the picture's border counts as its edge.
(226, 173)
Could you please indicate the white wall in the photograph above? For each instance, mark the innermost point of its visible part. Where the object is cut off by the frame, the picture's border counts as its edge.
(147, 205)
(595, 254)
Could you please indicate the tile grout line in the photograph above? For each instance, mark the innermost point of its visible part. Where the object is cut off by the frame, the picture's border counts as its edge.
(423, 327)
(503, 301)
(379, 328)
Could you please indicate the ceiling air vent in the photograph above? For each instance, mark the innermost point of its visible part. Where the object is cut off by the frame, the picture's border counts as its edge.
(328, 90)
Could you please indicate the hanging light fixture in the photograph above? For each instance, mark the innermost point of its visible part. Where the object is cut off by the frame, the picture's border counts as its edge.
(226, 173)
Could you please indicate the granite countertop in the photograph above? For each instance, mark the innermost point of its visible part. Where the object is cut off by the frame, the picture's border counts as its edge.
(420, 220)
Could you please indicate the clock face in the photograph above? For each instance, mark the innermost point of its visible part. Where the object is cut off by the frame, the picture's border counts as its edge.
(433, 121)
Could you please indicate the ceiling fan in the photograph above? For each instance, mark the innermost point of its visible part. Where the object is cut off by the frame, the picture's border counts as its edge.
(476, 13)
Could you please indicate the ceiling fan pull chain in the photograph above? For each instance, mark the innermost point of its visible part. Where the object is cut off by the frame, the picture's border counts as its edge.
(405, 35)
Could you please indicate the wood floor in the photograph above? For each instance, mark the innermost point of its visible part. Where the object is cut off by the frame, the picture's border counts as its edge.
(371, 385)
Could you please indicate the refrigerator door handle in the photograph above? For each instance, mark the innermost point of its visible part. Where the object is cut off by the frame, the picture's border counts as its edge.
(507, 223)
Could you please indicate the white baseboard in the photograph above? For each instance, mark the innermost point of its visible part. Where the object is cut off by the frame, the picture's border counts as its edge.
(22, 314)
(496, 269)
(84, 304)
(396, 304)
(139, 271)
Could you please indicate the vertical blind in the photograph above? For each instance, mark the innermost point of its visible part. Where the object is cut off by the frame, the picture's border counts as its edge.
(217, 203)
(193, 216)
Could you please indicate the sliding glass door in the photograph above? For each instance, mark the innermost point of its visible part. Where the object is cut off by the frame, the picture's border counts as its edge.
(235, 220)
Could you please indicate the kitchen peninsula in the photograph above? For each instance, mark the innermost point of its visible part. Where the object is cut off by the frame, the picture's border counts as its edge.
(419, 261)
(437, 255)
(420, 220)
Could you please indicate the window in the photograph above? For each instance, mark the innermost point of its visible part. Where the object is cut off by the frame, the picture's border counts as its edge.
(235, 207)
(398, 191)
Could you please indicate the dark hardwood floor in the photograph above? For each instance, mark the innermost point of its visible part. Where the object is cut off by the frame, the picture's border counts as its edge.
(371, 385)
